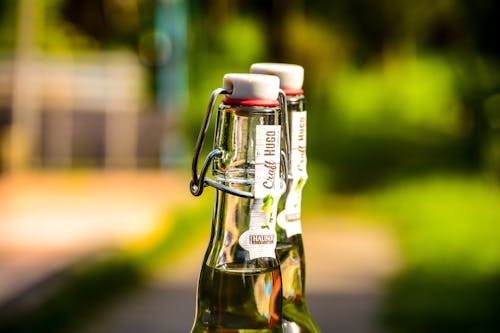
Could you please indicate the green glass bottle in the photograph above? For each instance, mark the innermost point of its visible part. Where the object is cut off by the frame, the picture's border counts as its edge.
(290, 249)
(239, 288)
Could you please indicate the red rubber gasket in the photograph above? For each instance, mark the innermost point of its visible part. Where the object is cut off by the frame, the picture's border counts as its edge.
(250, 102)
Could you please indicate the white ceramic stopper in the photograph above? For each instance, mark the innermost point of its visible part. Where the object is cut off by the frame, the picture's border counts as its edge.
(291, 76)
(252, 86)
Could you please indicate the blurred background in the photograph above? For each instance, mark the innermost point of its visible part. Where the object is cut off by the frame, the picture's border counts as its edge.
(101, 102)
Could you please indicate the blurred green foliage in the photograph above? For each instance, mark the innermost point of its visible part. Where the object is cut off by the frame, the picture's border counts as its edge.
(450, 239)
(398, 88)
(421, 86)
(7, 24)
(446, 222)
(387, 121)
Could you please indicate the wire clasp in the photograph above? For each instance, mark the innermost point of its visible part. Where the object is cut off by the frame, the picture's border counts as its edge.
(199, 181)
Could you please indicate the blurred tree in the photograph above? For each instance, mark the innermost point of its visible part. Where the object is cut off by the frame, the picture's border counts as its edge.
(110, 22)
(8, 10)
(117, 24)
(482, 19)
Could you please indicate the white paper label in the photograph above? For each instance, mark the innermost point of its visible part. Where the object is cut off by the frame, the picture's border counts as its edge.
(290, 218)
(260, 239)
(267, 160)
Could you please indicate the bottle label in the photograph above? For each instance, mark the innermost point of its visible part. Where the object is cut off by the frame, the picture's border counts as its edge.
(260, 239)
(290, 218)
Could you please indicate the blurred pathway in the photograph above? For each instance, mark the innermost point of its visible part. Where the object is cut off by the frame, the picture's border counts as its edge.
(50, 219)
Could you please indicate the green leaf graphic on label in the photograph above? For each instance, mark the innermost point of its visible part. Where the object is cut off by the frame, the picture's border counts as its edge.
(267, 206)
(299, 184)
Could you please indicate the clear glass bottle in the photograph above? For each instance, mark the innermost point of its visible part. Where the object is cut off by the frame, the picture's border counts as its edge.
(290, 248)
(239, 288)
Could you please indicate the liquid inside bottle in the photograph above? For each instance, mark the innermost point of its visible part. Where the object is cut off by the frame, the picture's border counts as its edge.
(236, 296)
(236, 293)
(296, 315)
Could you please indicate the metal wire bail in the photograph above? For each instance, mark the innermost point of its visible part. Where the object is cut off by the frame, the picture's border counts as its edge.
(199, 181)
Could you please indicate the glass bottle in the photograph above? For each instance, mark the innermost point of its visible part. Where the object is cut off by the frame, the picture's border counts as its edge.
(239, 287)
(290, 249)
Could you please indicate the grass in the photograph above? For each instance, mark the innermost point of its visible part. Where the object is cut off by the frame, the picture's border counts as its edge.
(455, 217)
(449, 231)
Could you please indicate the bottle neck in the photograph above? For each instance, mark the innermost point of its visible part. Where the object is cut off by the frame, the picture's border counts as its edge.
(237, 130)
(296, 103)
(249, 138)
